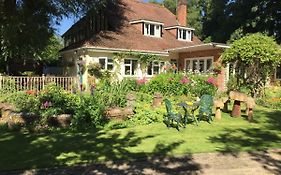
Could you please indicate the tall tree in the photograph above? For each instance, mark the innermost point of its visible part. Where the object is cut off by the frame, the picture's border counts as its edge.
(26, 26)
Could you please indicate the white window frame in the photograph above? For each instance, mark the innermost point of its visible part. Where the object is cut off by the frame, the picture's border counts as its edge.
(147, 30)
(197, 59)
(131, 66)
(154, 64)
(188, 34)
(106, 63)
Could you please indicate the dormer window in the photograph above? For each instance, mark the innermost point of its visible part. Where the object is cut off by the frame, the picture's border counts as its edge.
(182, 33)
(185, 35)
(150, 28)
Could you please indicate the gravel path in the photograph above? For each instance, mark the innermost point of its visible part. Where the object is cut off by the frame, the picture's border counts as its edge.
(252, 163)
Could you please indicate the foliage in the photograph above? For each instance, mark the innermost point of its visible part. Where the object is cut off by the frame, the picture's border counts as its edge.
(180, 84)
(272, 98)
(114, 93)
(205, 108)
(89, 112)
(94, 69)
(255, 56)
(33, 22)
(145, 114)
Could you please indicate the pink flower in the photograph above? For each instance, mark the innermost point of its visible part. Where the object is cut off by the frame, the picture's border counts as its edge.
(184, 80)
(141, 81)
(47, 104)
(211, 80)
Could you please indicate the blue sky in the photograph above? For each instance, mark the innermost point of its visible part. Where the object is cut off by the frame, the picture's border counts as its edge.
(66, 23)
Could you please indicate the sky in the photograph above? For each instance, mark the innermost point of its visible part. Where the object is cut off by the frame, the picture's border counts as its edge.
(66, 23)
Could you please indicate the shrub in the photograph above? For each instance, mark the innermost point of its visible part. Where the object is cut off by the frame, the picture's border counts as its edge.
(89, 111)
(181, 84)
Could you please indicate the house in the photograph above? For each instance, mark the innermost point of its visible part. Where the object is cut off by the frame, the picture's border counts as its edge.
(144, 28)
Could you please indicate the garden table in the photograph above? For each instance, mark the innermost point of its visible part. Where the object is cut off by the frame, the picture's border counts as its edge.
(190, 106)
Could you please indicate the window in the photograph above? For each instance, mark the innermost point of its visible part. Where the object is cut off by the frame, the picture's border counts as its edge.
(152, 30)
(174, 63)
(278, 73)
(130, 67)
(198, 65)
(155, 67)
(185, 35)
(106, 63)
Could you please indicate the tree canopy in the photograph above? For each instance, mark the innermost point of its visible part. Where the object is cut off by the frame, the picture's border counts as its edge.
(27, 26)
(254, 57)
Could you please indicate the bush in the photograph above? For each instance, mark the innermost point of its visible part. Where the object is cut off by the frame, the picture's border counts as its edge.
(89, 111)
(180, 84)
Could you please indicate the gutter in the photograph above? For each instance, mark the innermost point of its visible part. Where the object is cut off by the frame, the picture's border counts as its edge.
(113, 50)
(218, 45)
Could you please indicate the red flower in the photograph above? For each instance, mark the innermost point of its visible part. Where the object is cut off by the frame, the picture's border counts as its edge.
(31, 92)
(141, 81)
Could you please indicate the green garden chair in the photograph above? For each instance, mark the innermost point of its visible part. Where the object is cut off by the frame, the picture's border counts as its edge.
(171, 116)
(205, 108)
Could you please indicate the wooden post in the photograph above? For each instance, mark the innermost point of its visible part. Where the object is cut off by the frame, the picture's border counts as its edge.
(1, 78)
(43, 81)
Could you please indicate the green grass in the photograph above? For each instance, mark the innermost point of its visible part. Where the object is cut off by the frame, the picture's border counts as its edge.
(25, 150)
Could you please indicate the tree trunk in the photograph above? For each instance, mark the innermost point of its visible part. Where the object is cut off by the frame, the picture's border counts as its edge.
(236, 111)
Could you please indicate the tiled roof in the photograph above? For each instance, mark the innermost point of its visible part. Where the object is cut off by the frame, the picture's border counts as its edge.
(131, 38)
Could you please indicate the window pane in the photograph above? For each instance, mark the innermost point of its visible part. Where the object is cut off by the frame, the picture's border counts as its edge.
(278, 73)
(127, 70)
(146, 29)
(149, 69)
(201, 65)
(156, 69)
(194, 65)
(110, 67)
(102, 63)
(187, 65)
(184, 34)
(180, 33)
(110, 60)
(152, 29)
(209, 64)
(127, 61)
(134, 67)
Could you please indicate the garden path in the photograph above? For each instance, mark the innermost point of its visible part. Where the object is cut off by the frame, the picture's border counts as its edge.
(258, 163)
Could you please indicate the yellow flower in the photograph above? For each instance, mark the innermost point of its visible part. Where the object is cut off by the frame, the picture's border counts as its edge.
(190, 103)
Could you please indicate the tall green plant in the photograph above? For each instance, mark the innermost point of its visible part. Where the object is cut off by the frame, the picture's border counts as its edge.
(255, 56)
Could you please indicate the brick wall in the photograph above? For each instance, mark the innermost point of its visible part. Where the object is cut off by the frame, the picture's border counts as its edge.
(216, 53)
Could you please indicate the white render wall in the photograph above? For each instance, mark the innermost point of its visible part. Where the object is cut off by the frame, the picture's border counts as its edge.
(93, 57)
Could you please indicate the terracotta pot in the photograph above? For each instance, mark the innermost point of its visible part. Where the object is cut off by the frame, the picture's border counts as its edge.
(157, 100)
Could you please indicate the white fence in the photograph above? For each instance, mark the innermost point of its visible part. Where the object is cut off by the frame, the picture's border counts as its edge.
(20, 83)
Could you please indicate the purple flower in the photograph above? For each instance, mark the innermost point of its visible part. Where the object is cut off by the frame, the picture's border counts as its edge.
(47, 104)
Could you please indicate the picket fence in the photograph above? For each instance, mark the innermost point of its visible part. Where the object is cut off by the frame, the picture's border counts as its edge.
(20, 83)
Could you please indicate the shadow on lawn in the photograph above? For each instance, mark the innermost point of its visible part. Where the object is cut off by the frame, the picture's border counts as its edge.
(84, 149)
(261, 138)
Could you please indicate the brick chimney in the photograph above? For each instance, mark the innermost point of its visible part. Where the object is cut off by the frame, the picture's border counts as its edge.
(182, 12)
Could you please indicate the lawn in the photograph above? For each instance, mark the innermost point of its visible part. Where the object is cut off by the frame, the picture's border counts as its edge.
(58, 148)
